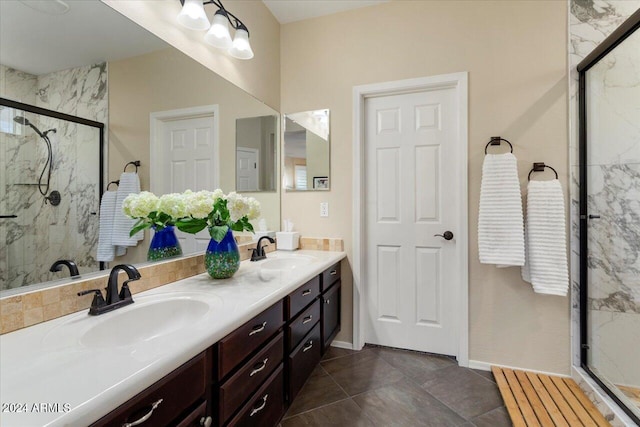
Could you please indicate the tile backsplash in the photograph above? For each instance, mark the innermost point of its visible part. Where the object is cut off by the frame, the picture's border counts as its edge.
(20, 311)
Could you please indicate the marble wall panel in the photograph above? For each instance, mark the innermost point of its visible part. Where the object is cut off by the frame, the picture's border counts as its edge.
(69, 230)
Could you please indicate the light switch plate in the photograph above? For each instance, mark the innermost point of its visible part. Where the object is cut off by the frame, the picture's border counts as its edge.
(324, 209)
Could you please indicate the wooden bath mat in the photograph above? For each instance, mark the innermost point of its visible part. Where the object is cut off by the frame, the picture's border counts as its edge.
(543, 400)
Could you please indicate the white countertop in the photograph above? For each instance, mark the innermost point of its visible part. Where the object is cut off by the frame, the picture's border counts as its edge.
(49, 364)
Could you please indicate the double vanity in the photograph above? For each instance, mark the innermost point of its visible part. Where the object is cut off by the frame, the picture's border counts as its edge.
(196, 352)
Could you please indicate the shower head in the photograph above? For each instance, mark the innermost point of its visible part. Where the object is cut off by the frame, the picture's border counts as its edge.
(25, 122)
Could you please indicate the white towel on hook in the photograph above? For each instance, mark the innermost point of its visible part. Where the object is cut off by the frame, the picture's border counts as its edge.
(500, 220)
(122, 225)
(547, 267)
(106, 250)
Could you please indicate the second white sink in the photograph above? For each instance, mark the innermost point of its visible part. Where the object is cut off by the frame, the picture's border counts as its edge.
(144, 322)
(287, 263)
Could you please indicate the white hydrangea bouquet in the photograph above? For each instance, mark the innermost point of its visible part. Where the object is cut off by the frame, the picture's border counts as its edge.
(192, 211)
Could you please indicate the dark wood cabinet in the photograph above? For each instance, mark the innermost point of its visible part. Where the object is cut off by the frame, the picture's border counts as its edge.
(302, 361)
(236, 346)
(266, 406)
(301, 297)
(250, 376)
(330, 306)
(170, 401)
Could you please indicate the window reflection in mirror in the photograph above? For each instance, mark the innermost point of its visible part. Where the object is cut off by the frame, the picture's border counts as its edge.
(256, 153)
(307, 151)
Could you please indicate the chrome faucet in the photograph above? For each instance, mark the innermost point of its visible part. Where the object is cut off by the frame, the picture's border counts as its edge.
(114, 299)
(258, 251)
(73, 268)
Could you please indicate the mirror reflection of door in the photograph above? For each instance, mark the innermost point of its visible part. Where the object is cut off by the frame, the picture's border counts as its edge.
(247, 169)
(256, 154)
(307, 151)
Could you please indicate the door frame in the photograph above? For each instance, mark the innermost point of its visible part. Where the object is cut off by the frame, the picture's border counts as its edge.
(458, 81)
(157, 120)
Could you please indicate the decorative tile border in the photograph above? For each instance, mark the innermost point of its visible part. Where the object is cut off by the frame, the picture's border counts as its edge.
(20, 311)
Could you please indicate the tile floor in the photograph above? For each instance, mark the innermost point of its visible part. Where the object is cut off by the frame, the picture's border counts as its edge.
(388, 387)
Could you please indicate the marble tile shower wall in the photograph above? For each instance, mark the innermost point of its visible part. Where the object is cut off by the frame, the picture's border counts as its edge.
(591, 21)
(69, 229)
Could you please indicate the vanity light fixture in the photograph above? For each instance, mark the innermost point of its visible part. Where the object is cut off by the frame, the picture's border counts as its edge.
(193, 16)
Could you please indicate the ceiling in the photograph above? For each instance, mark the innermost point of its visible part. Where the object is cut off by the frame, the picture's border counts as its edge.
(287, 11)
(90, 32)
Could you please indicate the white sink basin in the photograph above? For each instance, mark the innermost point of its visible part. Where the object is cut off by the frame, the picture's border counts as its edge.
(144, 322)
(148, 318)
(277, 265)
(287, 263)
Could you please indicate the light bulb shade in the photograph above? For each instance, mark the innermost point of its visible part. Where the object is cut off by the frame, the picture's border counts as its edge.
(193, 15)
(218, 35)
(241, 48)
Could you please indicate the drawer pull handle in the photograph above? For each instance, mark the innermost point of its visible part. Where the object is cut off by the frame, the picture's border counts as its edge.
(263, 365)
(333, 272)
(258, 328)
(307, 319)
(261, 407)
(206, 422)
(306, 292)
(308, 346)
(327, 301)
(146, 417)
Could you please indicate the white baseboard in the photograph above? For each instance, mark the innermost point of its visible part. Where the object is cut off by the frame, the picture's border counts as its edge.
(486, 366)
(342, 344)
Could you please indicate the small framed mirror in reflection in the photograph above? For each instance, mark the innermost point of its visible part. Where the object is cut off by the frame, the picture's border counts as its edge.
(256, 154)
(307, 151)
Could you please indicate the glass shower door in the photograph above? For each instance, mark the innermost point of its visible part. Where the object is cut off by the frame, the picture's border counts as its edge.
(613, 229)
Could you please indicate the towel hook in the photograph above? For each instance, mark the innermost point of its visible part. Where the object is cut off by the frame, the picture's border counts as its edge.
(495, 140)
(116, 182)
(539, 167)
(135, 163)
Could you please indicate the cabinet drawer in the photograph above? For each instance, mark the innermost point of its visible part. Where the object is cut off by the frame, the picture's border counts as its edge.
(330, 301)
(197, 418)
(165, 400)
(301, 325)
(330, 276)
(266, 406)
(233, 348)
(302, 297)
(244, 382)
(303, 360)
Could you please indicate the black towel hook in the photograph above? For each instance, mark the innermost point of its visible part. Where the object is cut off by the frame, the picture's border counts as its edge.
(116, 182)
(539, 167)
(135, 163)
(495, 140)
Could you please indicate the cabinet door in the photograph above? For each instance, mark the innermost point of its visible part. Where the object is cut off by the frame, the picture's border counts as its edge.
(330, 300)
(197, 418)
(303, 360)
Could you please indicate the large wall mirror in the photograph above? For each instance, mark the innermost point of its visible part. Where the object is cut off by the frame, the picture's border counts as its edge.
(92, 63)
(307, 151)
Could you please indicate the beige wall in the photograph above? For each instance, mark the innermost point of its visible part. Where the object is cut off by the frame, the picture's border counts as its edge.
(515, 53)
(259, 76)
(156, 82)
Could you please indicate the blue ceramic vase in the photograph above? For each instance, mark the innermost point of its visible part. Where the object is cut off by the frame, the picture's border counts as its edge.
(222, 259)
(164, 244)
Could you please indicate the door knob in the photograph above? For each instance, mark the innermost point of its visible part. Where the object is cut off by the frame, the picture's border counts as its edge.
(446, 236)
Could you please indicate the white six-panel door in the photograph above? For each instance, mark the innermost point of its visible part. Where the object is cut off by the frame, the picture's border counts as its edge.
(411, 157)
(247, 172)
(189, 151)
